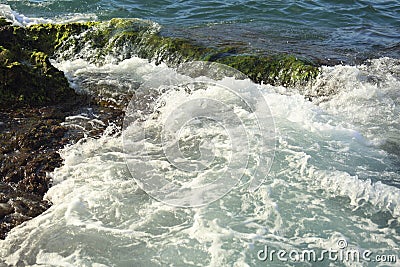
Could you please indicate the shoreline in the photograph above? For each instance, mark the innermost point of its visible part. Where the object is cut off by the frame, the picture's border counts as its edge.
(36, 99)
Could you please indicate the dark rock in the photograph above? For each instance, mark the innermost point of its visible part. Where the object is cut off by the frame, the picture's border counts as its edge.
(31, 80)
(35, 98)
(20, 206)
(27, 78)
(5, 209)
(126, 38)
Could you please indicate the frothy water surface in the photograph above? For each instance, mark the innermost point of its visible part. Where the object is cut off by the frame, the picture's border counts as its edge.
(328, 182)
(334, 180)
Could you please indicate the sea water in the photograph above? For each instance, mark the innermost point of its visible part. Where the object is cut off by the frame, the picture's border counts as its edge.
(333, 184)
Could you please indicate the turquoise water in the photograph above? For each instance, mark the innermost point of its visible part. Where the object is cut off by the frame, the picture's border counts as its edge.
(348, 31)
(331, 182)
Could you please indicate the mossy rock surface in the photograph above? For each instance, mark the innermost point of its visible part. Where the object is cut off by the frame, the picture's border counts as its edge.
(125, 38)
(277, 69)
(27, 77)
(286, 70)
(31, 81)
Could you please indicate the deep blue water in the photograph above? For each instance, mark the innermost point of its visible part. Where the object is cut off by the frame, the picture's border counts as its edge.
(348, 31)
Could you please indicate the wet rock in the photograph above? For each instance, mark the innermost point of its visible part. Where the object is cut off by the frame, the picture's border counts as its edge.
(27, 78)
(17, 206)
(286, 70)
(30, 80)
(35, 99)
(5, 209)
(125, 38)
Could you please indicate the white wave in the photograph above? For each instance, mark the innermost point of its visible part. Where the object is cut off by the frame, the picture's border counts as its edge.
(18, 19)
(114, 82)
(330, 179)
(325, 139)
(366, 97)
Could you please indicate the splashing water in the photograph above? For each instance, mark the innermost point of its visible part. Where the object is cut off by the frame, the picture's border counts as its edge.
(334, 176)
(327, 182)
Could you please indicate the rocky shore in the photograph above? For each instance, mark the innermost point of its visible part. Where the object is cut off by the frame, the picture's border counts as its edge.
(35, 97)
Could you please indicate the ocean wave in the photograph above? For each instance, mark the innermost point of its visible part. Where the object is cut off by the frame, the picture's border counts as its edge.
(19, 19)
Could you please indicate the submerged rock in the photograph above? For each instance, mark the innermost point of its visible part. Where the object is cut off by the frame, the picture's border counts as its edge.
(125, 38)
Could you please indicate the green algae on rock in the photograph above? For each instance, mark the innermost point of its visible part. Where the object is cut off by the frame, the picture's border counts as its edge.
(23, 48)
(286, 70)
(49, 37)
(27, 77)
(124, 38)
(31, 81)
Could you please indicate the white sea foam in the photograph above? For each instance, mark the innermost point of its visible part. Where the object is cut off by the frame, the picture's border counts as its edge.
(19, 19)
(111, 81)
(367, 97)
(326, 183)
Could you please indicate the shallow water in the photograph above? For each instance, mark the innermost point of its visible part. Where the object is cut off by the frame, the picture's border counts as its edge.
(332, 31)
